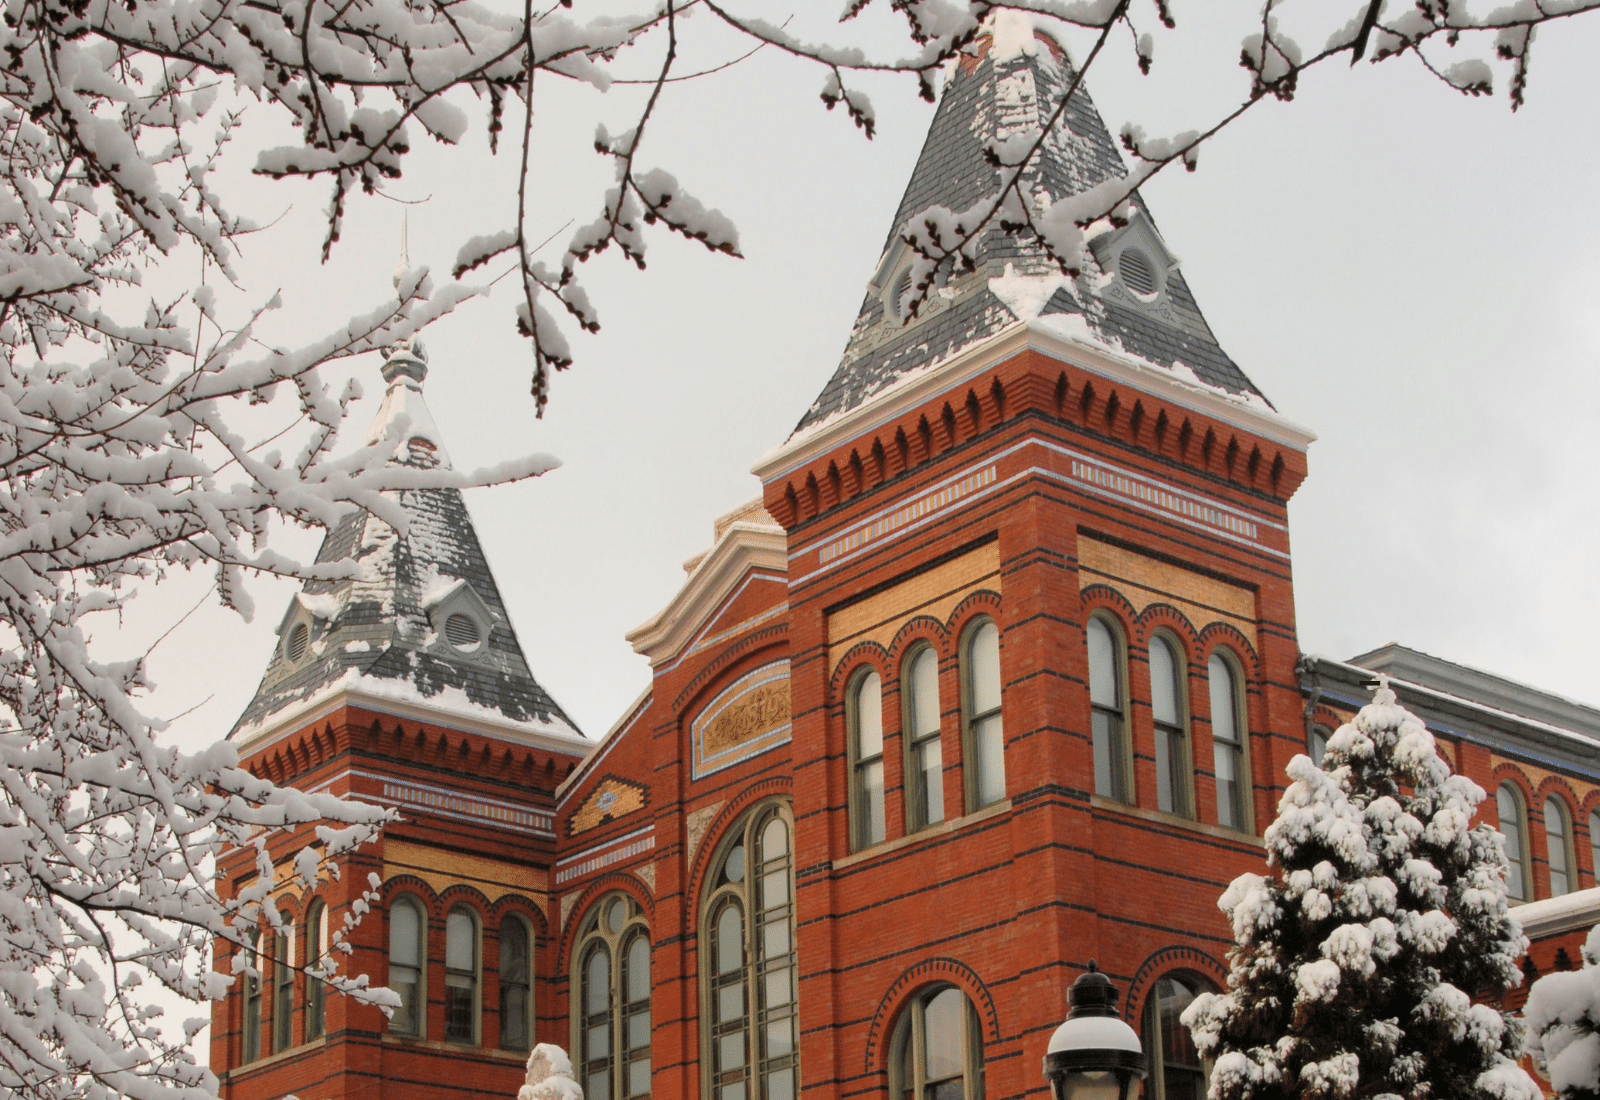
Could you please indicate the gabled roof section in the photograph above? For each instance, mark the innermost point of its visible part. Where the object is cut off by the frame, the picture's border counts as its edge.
(1140, 306)
(423, 624)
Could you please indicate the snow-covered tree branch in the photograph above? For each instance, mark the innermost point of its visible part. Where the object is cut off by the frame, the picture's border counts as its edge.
(1562, 1018)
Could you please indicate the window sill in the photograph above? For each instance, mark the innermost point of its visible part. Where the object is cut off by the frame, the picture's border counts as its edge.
(456, 1048)
(944, 828)
(273, 1059)
(1100, 802)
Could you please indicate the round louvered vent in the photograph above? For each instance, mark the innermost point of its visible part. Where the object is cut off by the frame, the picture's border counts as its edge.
(299, 640)
(1137, 272)
(461, 632)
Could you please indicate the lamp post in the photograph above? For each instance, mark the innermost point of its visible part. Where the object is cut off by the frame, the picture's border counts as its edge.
(1093, 1055)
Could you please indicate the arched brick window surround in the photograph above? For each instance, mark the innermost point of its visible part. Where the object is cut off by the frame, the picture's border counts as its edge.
(935, 971)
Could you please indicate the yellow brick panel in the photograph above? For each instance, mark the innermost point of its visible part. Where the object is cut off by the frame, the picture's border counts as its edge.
(442, 870)
(1145, 580)
(935, 593)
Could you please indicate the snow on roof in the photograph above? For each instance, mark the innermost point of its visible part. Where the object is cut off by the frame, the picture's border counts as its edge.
(1017, 78)
(374, 633)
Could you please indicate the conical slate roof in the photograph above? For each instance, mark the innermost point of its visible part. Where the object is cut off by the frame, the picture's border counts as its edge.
(424, 624)
(1012, 86)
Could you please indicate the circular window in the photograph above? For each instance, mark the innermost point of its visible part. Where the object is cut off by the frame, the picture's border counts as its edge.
(462, 632)
(1138, 273)
(298, 642)
(616, 916)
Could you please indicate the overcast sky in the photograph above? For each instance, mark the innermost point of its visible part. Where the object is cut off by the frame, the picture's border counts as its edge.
(1409, 273)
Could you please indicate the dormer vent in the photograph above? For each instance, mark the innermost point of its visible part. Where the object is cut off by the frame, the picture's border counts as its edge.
(1138, 273)
(462, 632)
(299, 640)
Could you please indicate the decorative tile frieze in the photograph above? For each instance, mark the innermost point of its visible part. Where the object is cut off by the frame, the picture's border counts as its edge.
(746, 718)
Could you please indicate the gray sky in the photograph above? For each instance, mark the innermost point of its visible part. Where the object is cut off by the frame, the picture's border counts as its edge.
(1405, 271)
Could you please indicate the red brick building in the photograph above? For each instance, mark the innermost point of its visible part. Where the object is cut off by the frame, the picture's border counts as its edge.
(998, 675)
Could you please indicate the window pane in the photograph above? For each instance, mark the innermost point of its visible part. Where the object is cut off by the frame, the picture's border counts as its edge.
(775, 837)
(779, 987)
(1224, 721)
(869, 717)
(922, 680)
(638, 1030)
(733, 866)
(780, 1085)
(775, 939)
(780, 1037)
(1103, 679)
(513, 951)
(1555, 828)
(1105, 729)
(1225, 765)
(928, 759)
(1319, 745)
(730, 1003)
(942, 1035)
(597, 1086)
(989, 743)
(638, 970)
(730, 941)
(1164, 689)
(639, 1078)
(1510, 811)
(871, 825)
(775, 887)
(983, 654)
(730, 1051)
(597, 982)
(1165, 778)
(404, 934)
(459, 945)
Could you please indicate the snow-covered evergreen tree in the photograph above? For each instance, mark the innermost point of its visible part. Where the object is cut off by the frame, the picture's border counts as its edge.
(1562, 1018)
(1383, 914)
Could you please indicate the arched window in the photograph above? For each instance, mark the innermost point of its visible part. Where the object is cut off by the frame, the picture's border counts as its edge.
(1176, 1071)
(282, 992)
(1594, 844)
(1558, 844)
(937, 1050)
(924, 768)
(750, 1045)
(461, 976)
(1107, 716)
(611, 1020)
(316, 957)
(864, 717)
(1227, 740)
(1513, 822)
(984, 739)
(250, 1025)
(516, 984)
(1317, 744)
(1168, 704)
(407, 936)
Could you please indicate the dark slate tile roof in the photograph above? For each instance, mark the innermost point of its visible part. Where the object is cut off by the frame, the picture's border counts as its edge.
(983, 102)
(377, 626)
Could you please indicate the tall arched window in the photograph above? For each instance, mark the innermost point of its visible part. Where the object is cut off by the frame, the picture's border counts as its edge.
(924, 768)
(282, 992)
(516, 984)
(316, 957)
(1168, 679)
(1228, 740)
(1558, 845)
(250, 1025)
(407, 937)
(937, 1050)
(1594, 844)
(750, 1045)
(461, 976)
(611, 1020)
(1513, 826)
(1108, 717)
(1317, 744)
(864, 717)
(1176, 1071)
(984, 739)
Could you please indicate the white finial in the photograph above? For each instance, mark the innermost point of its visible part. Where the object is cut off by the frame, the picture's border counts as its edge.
(404, 267)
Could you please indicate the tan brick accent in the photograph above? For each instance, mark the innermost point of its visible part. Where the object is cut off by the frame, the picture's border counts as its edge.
(1144, 580)
(935, 593)
(611, 798)
(442, 870)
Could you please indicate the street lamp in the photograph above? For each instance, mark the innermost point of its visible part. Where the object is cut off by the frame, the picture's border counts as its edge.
(1093, 1055)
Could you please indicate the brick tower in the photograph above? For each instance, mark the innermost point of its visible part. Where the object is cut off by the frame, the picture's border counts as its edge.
(405, 686)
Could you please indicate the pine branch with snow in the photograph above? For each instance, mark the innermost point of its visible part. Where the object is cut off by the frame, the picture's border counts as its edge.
(1562, 1018)
(1382, 916)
